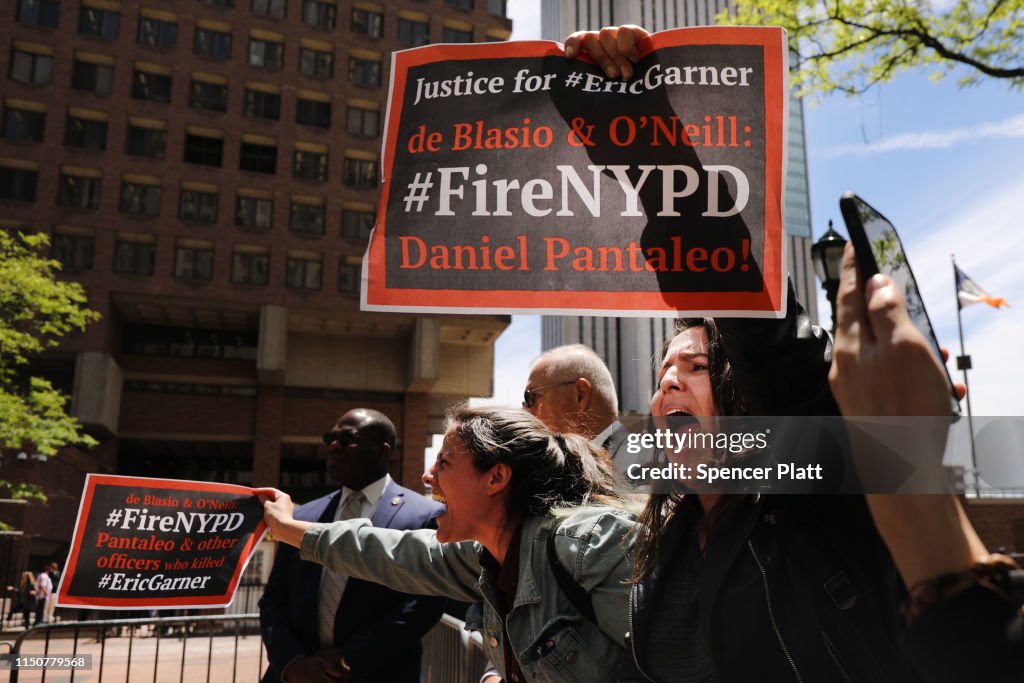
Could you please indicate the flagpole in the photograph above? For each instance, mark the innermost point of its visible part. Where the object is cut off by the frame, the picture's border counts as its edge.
(964, 363)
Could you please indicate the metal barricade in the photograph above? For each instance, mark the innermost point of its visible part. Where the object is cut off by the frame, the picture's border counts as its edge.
(452, 654)
(222, 648)
(218, 647)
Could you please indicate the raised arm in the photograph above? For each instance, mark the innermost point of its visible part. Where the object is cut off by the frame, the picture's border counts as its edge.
(406, 561)
(884, 366)
(964, 604)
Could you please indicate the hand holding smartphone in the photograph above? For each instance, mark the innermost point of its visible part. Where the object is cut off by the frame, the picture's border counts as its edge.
(879, 250)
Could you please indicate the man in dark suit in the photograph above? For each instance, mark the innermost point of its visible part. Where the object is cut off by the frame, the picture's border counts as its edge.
(321, 626)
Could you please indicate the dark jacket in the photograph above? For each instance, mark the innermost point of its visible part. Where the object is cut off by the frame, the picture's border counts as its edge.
(975, 635)
(807, 576)
(378, 629)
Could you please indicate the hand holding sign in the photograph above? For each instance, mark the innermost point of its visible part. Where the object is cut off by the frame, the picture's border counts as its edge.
(614, 49)
(278, 510)
(515, 179)
(159, 543)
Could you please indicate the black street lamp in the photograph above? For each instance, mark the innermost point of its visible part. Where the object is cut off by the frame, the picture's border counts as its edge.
(827, 254)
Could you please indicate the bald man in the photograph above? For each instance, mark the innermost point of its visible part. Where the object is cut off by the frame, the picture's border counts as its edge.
(571, 390)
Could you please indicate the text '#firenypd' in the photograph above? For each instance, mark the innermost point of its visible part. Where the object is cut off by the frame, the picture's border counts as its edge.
(142, 519)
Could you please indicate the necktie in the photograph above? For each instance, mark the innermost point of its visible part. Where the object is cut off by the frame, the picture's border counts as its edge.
(333, 584)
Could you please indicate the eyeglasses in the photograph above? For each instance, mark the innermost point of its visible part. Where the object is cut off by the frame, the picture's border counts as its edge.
(530, 395)
(342, 438)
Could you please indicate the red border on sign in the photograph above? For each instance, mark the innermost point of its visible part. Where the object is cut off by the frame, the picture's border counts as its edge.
(85, 507)
(769, 300)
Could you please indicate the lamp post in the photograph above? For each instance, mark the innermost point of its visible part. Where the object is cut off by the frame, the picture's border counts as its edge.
(827, 254)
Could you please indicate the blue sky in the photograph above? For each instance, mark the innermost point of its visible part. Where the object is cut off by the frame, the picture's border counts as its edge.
(944, 165)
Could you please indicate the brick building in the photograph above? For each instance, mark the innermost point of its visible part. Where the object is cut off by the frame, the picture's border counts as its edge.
(208, 171)
(999, 522)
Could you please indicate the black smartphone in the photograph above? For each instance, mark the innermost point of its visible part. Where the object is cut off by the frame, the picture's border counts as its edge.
(879, 250)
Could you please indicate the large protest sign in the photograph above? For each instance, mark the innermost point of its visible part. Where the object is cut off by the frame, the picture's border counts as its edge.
(159, 543)
(516, 180)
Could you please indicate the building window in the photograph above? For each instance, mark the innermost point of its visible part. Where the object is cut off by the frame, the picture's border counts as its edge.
(497, 7)
(270, 8)
(260, 104)
(101, 23)
(349, 276)
(363, 122)
(460, 4)
(30, 67)
(151, 86)
(42, 13)
(141, 199)
(360, 173)
(219, 3)
(455, 35)
(198, 206)
(307, 219)
(250, 265)
(146, 142)
(212, 44)
(367, 23)
(134, 253)
(413, 32)
(364, 71)
(193, 260)
(182, 342)
(18, 184)
(319, 14)
(259, 158)
(80, 192)
(304, 270)
(356, 225)
(157, 33)
(254, 212)
(313, 113)
(266, 54)
(208, 96)
(85, 133)
(207, 150)
(23, 124)
(96, 78)
(309, 165)
(316, 64)
(74, 250)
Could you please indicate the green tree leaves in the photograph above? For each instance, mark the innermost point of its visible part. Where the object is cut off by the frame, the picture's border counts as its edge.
(36, 311)
(851, 45)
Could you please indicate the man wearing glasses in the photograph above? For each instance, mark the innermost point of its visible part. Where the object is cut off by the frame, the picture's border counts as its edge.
(571, 390)
(321, 626)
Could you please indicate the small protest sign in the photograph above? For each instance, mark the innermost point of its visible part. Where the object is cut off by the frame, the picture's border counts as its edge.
(516, 180)
(143, 543)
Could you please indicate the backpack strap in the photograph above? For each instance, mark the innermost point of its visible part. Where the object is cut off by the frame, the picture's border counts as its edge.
(579, 598)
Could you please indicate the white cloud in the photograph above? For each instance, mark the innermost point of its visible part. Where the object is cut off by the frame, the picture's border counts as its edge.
(1012, 127)
(984, 230)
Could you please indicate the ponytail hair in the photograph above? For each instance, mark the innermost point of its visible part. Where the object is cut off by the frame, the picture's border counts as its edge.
(549, 469)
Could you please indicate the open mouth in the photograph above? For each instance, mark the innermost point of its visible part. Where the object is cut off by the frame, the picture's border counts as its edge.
(679, 420)
(440, 499)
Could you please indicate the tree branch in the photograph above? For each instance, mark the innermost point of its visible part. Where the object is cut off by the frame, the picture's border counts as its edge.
(927, 39)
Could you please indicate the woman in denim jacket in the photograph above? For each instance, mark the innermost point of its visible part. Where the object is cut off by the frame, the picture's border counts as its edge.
(509, 484)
